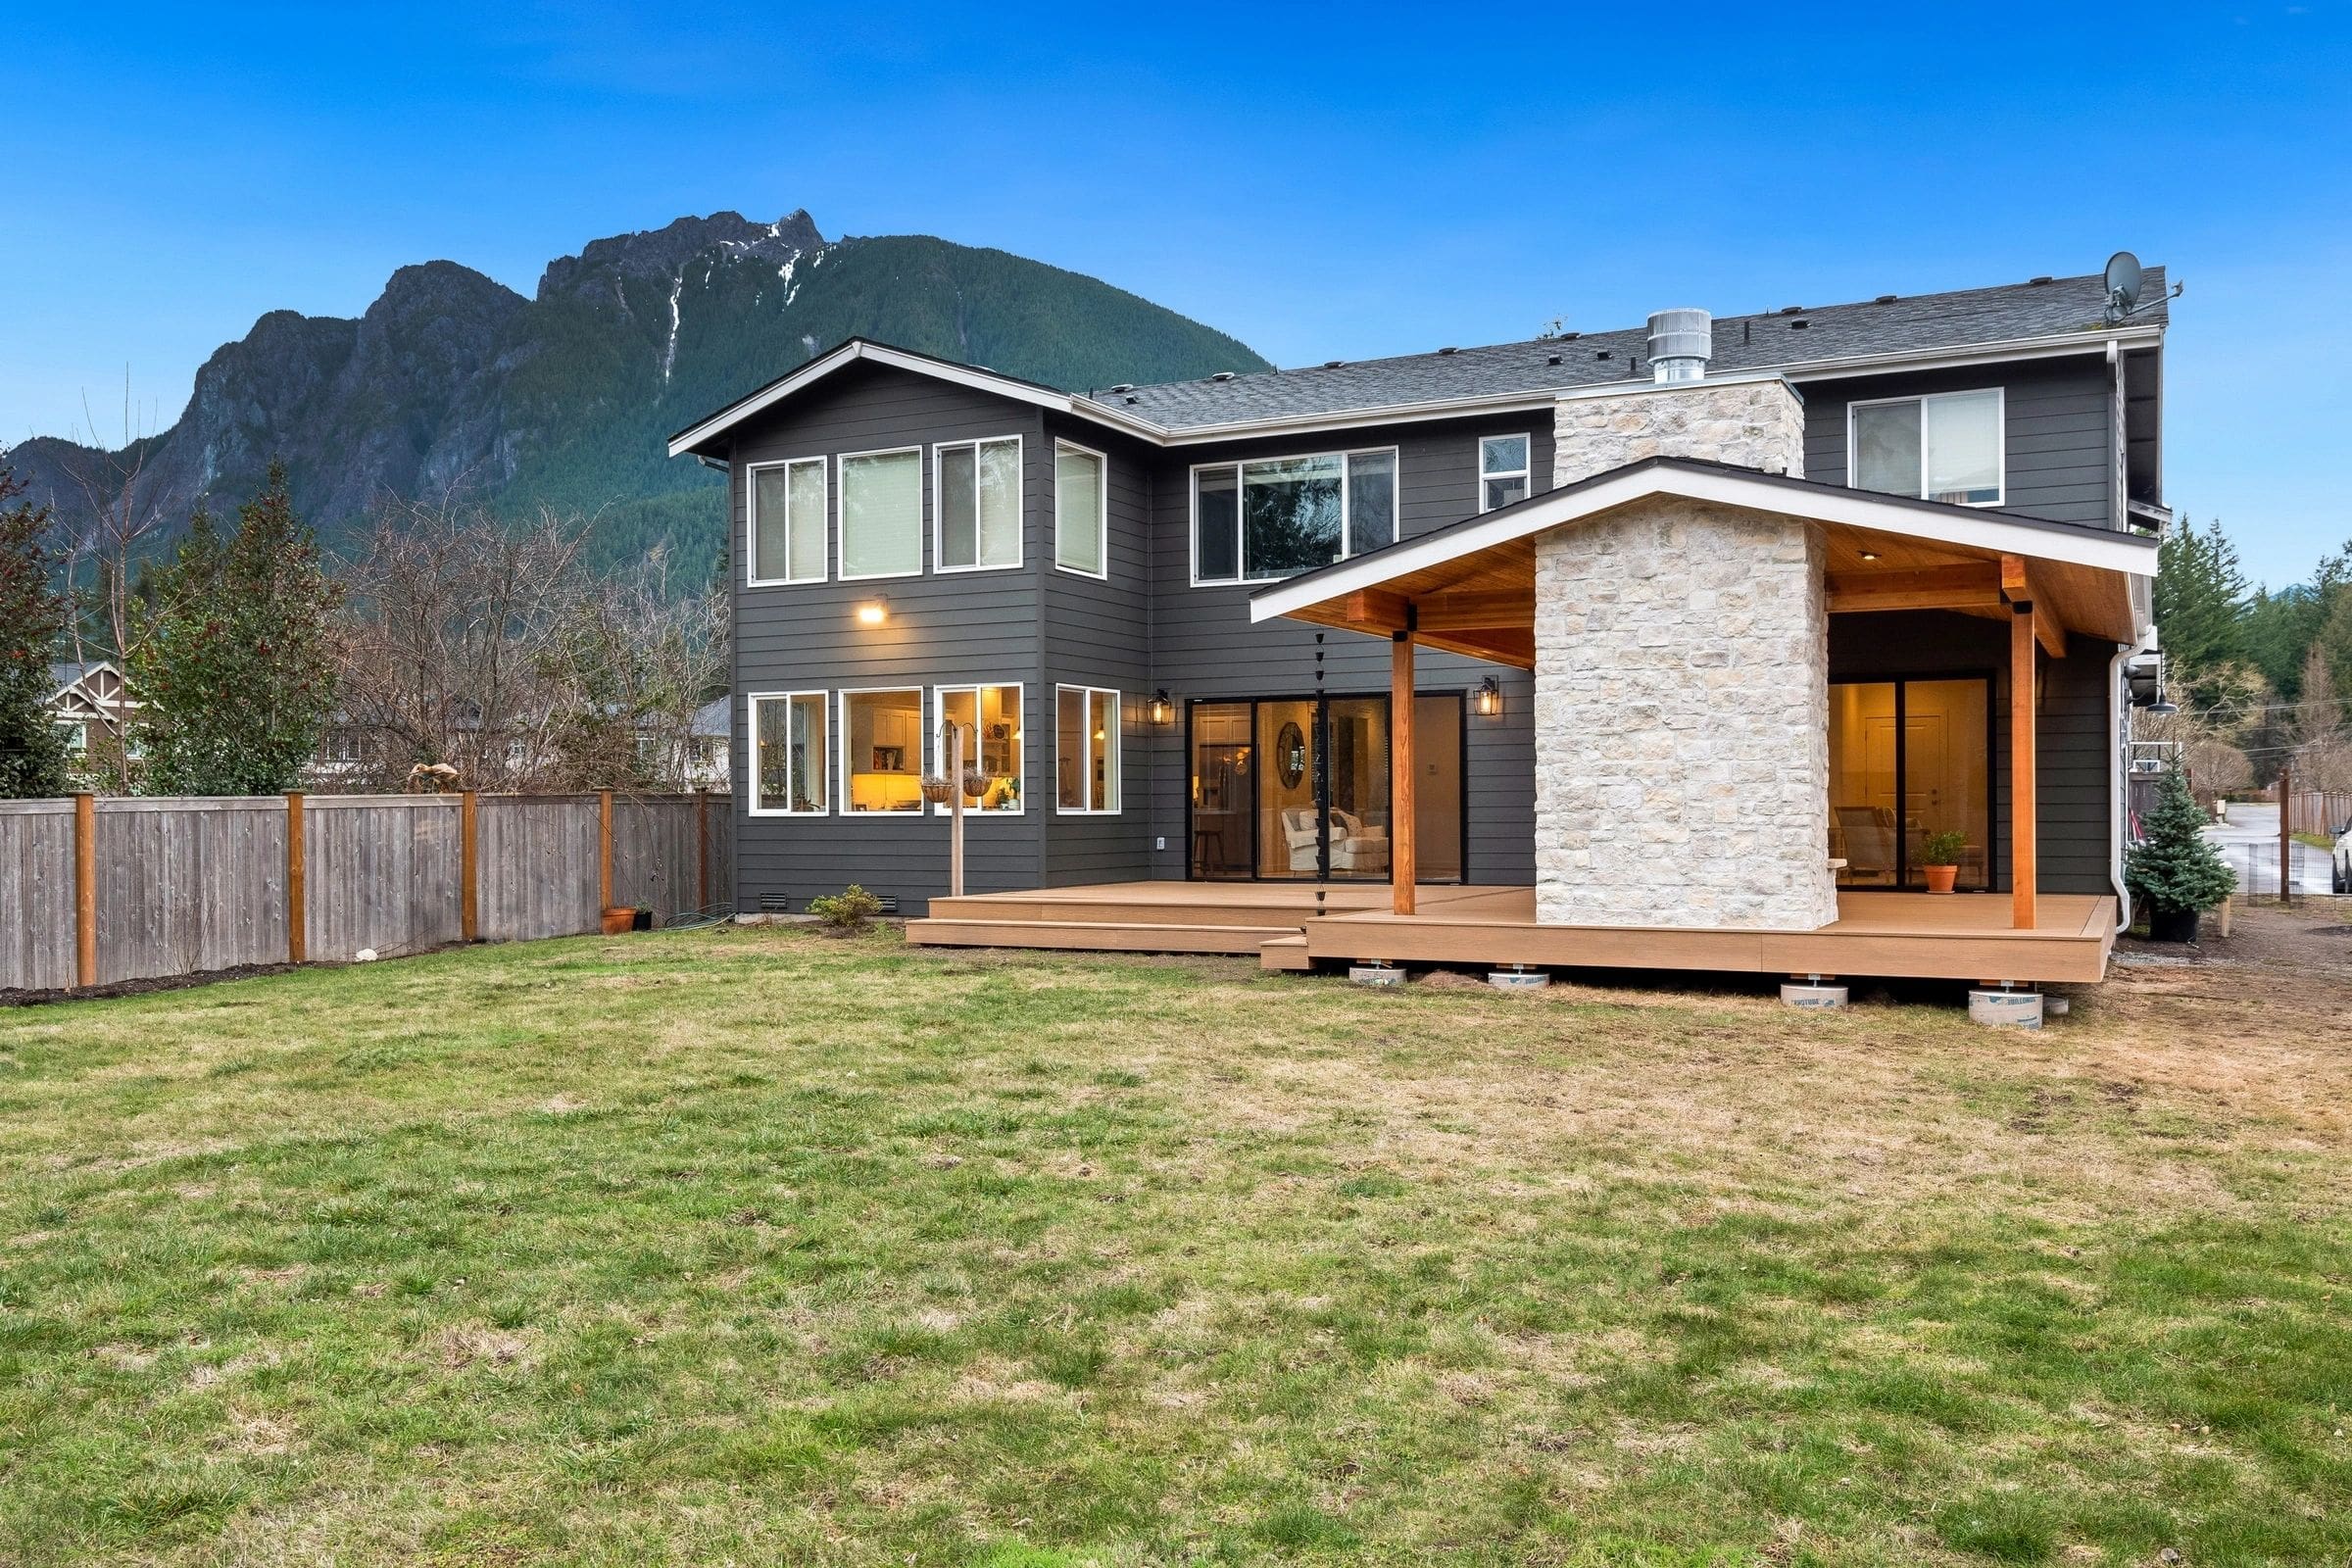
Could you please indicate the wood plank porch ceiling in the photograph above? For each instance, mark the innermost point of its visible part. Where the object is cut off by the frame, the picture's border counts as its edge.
(1484, 604)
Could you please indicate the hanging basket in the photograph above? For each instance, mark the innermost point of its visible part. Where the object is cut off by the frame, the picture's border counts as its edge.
(938, 788)
(976, 785)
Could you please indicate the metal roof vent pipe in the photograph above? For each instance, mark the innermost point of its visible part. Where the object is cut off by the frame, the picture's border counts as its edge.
(1681, 343)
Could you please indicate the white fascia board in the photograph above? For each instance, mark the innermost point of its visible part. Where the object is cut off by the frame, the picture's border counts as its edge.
(2027, 348)
(958, 374)
(1856, 508)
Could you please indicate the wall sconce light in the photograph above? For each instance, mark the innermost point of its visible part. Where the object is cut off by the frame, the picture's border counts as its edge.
(873, 613)
(1162, 709)
(1487, 701)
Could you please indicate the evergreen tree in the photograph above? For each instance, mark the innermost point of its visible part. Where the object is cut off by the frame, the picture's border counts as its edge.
(235, 676)
(2201, 605)
(33, 762)
(2175, 869)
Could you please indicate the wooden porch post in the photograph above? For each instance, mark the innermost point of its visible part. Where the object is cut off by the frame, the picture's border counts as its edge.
(1401, 867)
(2023, 828)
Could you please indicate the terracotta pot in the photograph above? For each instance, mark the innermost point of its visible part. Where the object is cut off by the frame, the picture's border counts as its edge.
(620, 919)
(1941, 877)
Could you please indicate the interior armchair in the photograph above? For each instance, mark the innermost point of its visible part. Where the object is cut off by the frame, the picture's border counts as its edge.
(1356, 844)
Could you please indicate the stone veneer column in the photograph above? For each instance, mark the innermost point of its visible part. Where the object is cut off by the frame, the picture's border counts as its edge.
(1682, 680)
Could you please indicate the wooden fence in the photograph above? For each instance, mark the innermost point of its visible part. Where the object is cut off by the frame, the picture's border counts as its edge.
(98, 891)
(2317, 810)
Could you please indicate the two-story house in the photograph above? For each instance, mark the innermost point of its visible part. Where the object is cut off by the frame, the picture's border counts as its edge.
(1709, 626)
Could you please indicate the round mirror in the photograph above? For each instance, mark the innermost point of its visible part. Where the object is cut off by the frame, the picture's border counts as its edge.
(1290, 755)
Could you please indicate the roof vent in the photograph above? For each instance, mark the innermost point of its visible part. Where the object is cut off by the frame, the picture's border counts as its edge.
(1680, 342)
(1601, 354)
(1450, 351)
(1887, 299)
(1554, 360)
(1570, 337)
(1799, 325)
(1222, 375)
(1124, 386)
(1333, 365)
(2044, 279)
(1792, 309)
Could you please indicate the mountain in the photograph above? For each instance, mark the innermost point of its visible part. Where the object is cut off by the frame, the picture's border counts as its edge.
(454, 383)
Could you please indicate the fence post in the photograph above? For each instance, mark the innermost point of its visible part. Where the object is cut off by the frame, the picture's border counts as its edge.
(701, 852)
(85, 890)
(470, 906)
(298, 936)
(2287, 837)
(603, 853)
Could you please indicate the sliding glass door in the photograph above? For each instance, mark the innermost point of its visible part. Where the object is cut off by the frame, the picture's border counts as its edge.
(1910, 759)
(1297, 789)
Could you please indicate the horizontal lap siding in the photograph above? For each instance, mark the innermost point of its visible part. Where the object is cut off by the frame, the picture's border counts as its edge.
(37, 928)
(2075, 748)
(951, 628)
(1204, 644)
(2057, 441)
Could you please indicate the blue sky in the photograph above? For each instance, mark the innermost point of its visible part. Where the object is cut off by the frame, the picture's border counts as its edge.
(1326, 182)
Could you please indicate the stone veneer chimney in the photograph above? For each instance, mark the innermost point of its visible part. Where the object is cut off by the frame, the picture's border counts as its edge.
(1682, 679)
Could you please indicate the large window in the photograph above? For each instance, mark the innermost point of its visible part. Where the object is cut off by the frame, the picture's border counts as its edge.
(882, 514)
(882, 750)
(991, 717)
(1256, 522)
(1941, 448)
(1910, 759)
(1086, 748)
(1081, 514)
(977, 505)
(788, 521)
(788, 754)
(1503, 470)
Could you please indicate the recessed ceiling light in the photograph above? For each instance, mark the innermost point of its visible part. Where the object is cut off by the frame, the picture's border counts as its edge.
(1870, 555)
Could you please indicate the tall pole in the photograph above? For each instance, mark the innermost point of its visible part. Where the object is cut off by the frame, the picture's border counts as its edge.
(2286, 835)
(956, 808)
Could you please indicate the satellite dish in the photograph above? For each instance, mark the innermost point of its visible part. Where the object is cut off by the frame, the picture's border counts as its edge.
(2123, 279)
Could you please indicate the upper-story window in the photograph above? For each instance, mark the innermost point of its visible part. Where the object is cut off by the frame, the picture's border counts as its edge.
(1944, 447)
(1080, 510)
(1503, 466)
(788, 521)
(977, 505)
(882, 514)
(1256, 522)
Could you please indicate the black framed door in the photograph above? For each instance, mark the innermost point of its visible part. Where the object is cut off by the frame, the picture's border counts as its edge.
(1911, 758)
(1297, 789)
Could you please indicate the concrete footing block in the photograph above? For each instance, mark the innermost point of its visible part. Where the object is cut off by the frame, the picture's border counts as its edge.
(1518, 979)
(1374, 974)
(2005, 1010)
(1828, 998)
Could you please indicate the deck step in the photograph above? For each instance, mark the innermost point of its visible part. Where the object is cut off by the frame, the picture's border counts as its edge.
(1098, 936)
(1284, 952)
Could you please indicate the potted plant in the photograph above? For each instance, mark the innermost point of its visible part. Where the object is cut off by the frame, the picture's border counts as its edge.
(2174, 872)
(1939, 853)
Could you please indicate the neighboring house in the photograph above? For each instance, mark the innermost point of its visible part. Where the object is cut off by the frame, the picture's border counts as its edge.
(89, 703)
(1710, 627)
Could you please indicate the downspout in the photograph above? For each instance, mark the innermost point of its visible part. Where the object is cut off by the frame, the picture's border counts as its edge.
(2118, 780)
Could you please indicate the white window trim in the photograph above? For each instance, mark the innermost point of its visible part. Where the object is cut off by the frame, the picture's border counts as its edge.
(1528, 474)
(2000, 445)
(841, 513)
(751, 713)
(1101, 512)
(939, 750)
(751, 521)
(1118, 749)
(939, 512)
(841, 747)
(1347, 539)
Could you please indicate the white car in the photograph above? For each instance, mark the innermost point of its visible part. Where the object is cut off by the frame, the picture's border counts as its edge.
(2340, 880)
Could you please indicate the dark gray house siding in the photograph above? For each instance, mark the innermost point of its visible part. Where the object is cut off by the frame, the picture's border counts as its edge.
(1144, 627)
(2059, 418)
(1204, 646)
(2075, 738)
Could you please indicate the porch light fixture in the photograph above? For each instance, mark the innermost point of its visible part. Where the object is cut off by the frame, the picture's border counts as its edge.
(1162, 709)
(1870, 555)
(1487, 701)
(873, 613)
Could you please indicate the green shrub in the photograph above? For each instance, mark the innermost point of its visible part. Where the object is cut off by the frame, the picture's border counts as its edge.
(2173, 867)
(850, 909)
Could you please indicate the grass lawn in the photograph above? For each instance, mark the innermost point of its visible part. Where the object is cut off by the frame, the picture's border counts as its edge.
(758, 1247)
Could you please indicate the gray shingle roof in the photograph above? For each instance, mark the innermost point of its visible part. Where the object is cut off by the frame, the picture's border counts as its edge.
(1920, 325)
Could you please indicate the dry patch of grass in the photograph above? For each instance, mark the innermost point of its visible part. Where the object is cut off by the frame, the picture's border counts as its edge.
(750, 1245)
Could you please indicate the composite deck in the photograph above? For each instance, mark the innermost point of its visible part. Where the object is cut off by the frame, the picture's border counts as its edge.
(1910, 935)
